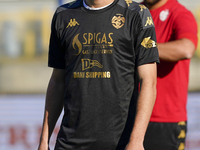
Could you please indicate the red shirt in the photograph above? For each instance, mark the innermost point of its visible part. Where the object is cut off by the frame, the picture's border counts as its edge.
(172, 22)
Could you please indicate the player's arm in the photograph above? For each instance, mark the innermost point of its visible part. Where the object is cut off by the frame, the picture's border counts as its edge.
(148, 79)
(176, 50)
(185, 31)
(53, 106)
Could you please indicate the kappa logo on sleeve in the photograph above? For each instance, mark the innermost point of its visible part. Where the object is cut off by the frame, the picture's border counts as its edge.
(142, 7)
(149, 21)
(118, 21)
(148, 43)
(128, 2)
(72, 23)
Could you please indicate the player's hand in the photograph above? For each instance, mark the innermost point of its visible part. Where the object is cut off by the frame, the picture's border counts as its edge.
(134, 146)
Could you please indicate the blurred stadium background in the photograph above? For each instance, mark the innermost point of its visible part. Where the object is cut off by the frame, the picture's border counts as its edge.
(24, 75)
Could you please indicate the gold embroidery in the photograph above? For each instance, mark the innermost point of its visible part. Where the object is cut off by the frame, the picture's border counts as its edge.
(72, 23)
(77, 43)
(148, 43)
(118, 21)
(88, 63)
(142, 7)
(149, 21)
(93, 75)
(182, 123)
(128, 2)
(182, 134)
(181, 146)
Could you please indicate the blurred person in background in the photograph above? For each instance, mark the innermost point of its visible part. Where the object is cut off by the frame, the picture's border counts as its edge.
(176, 32)
(98, 49)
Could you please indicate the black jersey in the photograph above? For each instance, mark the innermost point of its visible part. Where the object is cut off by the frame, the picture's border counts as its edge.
(100, 51)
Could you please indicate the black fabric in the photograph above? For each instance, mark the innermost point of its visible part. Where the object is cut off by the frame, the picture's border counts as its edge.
(165, 136)
(100, 52)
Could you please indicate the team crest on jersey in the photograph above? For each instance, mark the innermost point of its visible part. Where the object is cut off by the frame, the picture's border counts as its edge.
(72, 23)
(164, 14)
(88, 63)
(118, 21)
(128, 2)
(148, 43)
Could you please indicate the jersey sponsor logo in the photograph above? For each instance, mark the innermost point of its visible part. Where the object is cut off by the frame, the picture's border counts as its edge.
(88, 63)
(128, 2)
(118, 21)
(148, 43)
(72, 23)
(101, 43)
(92, 75)
(164, 14)
(149, 21)
(92, 43)
(101, 51)
(142, 7)
(76, 44)
(98, 38)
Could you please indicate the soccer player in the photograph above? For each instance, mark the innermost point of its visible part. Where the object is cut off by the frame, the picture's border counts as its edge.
(99, 50)
(176, 32)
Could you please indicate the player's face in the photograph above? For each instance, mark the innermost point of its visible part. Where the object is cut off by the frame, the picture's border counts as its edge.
(151, 2)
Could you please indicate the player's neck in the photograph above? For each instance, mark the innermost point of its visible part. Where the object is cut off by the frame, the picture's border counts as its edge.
(156, 5)
(98, 3)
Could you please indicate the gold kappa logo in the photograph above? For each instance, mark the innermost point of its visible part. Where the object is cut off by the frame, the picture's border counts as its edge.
(182, 134)
(149, 21)
(128, 2)
(118, 21)
(182, 123)
(148, 43)
(88, 63)
(181, 146)
(142, 7)
(72, 23)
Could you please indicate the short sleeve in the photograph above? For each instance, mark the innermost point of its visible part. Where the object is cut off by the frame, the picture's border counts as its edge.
(146, 45)
(185, 26)
(56, 54)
